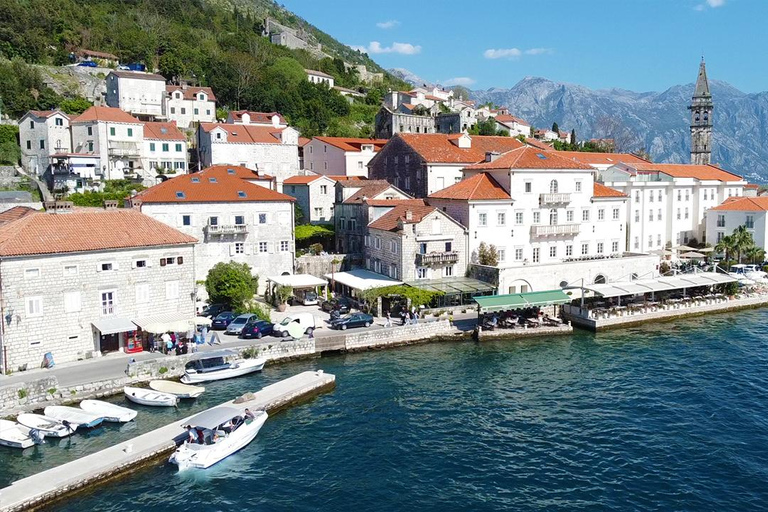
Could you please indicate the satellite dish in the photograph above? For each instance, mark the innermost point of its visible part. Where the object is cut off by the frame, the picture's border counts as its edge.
(563, 284)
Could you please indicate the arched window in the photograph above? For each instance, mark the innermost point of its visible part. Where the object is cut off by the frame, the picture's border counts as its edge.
(553, 217)
(706, 115)
(553, 187)
(599, 279)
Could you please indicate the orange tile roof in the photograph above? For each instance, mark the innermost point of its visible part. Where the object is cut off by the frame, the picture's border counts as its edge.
(214, 185)
(587, 157)
(753, 186)
(390, 220)
(163, 131)
(15, 213)
(257, 117)
(238, 171)
(317, 73)
(368, 189)
(303, 141)
(481, 186)
(601, 190)
(85, 230)
(302, 180)
(44, 114)
(335, 177)
(438, 148)
(530, 158)
(701, 172)
(105, 114)
(352, 144)
(744, 204)
(246, 134)
(190, 93)
(505, 118)
(538, 144)
(395, 202)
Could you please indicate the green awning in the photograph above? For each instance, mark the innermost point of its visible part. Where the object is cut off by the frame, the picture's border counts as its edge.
(492, 303)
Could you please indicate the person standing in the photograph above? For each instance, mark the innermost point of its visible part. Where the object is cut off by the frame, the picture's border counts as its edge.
(388, 321)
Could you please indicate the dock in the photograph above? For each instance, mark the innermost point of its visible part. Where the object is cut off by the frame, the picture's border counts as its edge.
(98, 468)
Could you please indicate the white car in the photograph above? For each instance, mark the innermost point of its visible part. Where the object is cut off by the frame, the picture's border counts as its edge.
(285, 328)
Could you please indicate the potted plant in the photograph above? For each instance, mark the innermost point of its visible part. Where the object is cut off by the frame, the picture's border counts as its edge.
(282, 294)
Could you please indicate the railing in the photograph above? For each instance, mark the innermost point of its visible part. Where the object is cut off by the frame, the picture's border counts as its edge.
(435, 258)
(555, 198)
(124, 150)
(557, 229)
(233, 229)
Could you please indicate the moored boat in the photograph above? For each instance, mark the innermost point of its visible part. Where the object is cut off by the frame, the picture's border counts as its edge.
(215, 435)
(149, 397)
(49, 427)
(73, 415)
(110, 412)
(205, 367)
(14, 435)
(176, 388)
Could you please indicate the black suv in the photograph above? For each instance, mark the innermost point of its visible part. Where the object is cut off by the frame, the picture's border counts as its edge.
(342, 304)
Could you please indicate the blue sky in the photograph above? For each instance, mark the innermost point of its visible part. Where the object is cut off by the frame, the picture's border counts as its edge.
(641, 45)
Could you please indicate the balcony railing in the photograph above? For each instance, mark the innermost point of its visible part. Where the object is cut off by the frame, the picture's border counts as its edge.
(124, 149)
(437, 258)
(556, 230)
(232, 229)
(555, 198)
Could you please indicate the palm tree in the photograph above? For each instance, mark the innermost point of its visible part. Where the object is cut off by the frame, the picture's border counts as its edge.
(755, 254)
(726, 245)
(742, 240)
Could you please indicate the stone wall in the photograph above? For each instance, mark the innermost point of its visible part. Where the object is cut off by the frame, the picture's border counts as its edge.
(397, 335)
(320, 265)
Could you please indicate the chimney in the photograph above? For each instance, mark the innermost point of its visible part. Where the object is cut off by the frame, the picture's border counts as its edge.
(491, 156)
(275, 121)
(408, 215)
(365, 199)
(110, 204)
(57, 206)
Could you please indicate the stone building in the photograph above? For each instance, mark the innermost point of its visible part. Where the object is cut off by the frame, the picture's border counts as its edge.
(187, 105)
(318, 77)
(389, 122)
(164, 148)
(315, 196)
(269, 119)
(41, 134)
(76, 282)
(340, 156)
(701, 119)
(140, 94)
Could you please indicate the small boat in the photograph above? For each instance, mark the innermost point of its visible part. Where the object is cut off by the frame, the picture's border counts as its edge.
(49, 427)
(14, 435)
(176, 388)
(73, 415)
(215, 435)
(145, 396)
(205, 367)
(112, 413)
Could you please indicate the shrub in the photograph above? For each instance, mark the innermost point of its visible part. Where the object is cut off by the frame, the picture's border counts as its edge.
(162, 370)
(51, 391)
(261, 311)
(23, 393)
(250, 352)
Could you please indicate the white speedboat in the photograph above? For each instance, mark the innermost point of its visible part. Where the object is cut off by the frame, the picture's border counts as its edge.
(74, 416)
(110, 412)
(210, 366)
(222, 430)
(49, 427)
(150, 397)
(14, 435)
(176, 388)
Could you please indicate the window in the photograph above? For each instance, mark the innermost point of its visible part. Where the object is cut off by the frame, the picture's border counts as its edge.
(553, 251)
(90, 131)
(107, 303)
(142, 293)
(569, 216)
(720, 236)
(448, 271)
(422, 272)
(650, 215)
(29, 144)
(112, 131)
(553, 217)
(284, 246)
(448, 246)
(615, 214)
(705, 194)
(423, 248)
(34, 306)
(70, 270)
(318, 212)
(130, 132)
(178, 148)
(637, 242)
(152, 146)
(186, 220)
(263, 218)
(31, 273)
(650, 197)
(601, 214)
(183, 110)
(196, 111)
(165, 147)
(323, 189)
(518, 254)
(501, 253)
(173, 110)
(263, 247)
(59, 121)
(239, 220)
(584, 249)
(535, 254)
(614, 246)
(528, 187)
(679, 195)
(578, 186)
(239, 248)
(31, 125)
(650, 241)
(553, 187)
(393, 246)
(721, 221)
(536, 217)
(686, 212)
(171, 289)
(687, 195)
(750, 222)
(167, 261)
(659, 195)
(501, 218)
(678, 214)
(518, 218)
(140, 263)
(105, 267)
(637, 196)
(637, 215)
(659, 215)
(658, 240)
(599, 247)
(482, 219)
(42, 143)
(213, 221)
(90, 147)
(585, 215)
(72, 302)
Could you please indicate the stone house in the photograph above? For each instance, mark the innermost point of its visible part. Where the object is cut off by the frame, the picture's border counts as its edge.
(315, 196)
(341, 156)
(188, 105)
(318, 77)
(76, 282)
(273, 119)
(164, 148)
(513, 124)
(140, 94)
(41, 134)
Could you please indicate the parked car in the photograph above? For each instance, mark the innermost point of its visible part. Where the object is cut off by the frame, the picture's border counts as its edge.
(213, 310)
(222, 320)
(307, 298)
(256, 329)
(236, 325)
(352, 320)
(305, 320)
(88, 64)
(342, 304)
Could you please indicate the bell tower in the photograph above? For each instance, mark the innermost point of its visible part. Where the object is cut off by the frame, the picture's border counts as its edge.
(701, 119)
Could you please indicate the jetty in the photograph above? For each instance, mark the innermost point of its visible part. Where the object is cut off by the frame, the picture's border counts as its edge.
(60, 482)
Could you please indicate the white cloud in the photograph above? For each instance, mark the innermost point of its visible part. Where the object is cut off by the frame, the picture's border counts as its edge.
(460, 80)
(539, 51)
(388, 24)
(709, 3)
(374, 47)
(514, 53)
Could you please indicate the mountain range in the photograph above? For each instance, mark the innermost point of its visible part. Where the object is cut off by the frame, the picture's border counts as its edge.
(654, 122)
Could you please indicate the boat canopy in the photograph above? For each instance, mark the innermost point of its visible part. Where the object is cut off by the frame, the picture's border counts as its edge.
(492, 303)
(212, 354)
(212, 418)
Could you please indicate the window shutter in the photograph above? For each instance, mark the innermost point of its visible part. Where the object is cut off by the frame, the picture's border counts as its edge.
(98, 267)
(271, 247)
(133, 263)
(115, 266)
(180, 260)
(162, 262)
(232, 249)
(248, 249)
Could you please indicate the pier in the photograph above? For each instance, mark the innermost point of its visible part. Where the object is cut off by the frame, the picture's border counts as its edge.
(56, 483)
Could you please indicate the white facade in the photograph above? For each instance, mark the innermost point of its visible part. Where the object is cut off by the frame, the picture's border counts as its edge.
(338, 156)
(168, 155)
(318, 77)
(513, 125)
(139, 94)
(42, 134)
(118, 145)
(272, 119)
(751, 213)
(315, 196)
(190, 105)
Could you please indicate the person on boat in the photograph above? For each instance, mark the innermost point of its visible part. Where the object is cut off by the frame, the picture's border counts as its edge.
(191, 435)
(249, 416)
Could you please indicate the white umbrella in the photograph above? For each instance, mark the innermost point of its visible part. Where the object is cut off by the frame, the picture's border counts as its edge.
(706, 249)
(201, 320)
(684, 248)
(692, 255)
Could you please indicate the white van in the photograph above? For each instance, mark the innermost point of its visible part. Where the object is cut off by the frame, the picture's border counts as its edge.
(285, 328)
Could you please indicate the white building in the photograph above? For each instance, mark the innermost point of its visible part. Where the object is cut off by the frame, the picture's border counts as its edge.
(548, 219)
(315, 196)
(273, 119)
(318, 77)
(341, 156)
(188, 105)
(76, 283)
(233, 219)
(140, 94)
(41, 134)
(514, 125)
(667, 202)
(113, 135)
(165, 148)
(749, 212)
(602, 161)
(274, 151)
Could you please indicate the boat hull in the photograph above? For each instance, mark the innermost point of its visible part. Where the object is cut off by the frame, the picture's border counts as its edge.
(110, 412)
(149, 397)
(73, 416)
(13, 435)
(176, 388)
(50, 427)
(243, 367)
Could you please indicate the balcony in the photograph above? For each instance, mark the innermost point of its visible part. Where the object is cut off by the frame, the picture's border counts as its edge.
(125, 149)
(233, 229)
(554, 198)
(556, 230)
(437, 258)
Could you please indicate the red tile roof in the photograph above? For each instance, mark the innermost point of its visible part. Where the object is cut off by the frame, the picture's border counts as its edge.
(257, 117)
(85, 230)
(590, 158)
(137, 75)
(106, 114)
(302, 180)
(190, 93)
(753, 186)
(246, 134)
(15, 213)
(701, 172)
(303, 141)
(538, 144)
(238, 171)
(317, 73)
(395, 202)
(368, 189)
(352, 144)
(163, 131)
(438, 148)
(44, 114)
(390, 220)
(744, 204)
(199, 188)
(601, 190)
(481, 186)
(335, 177)
(530, 158)
(505, 118)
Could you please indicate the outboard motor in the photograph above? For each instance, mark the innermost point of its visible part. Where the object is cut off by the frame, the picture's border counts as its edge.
(37, 436)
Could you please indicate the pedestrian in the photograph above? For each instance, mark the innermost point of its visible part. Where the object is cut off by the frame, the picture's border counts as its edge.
(167, 342)
(415, 317)
(205, 332)
(388, 321)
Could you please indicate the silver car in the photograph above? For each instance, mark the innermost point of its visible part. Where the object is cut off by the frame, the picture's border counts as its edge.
(236, 326)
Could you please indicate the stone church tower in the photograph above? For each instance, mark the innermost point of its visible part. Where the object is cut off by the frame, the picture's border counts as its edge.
(701, 119)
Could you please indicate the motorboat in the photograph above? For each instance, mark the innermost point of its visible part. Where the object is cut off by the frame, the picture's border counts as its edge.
(14, 435)
(110, 412)
(176, 388)
(73, 416)
(205, 367)
(215, 435)
(150, 397)
(49, 427)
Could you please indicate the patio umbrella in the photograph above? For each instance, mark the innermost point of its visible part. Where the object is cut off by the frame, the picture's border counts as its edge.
(201, 320)
(684, 248)
(692, 255)
(706, 249)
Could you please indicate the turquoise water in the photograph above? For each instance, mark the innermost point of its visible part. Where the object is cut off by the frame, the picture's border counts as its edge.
(664, 417)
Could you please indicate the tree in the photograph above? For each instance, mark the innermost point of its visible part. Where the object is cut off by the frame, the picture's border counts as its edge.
(230, 283)
(555, 128)
(726, 245)
(487, 127)
(10, 152)
(298, 215)
(487, 255)
(742, 240)
(75, 106)
(573, 136)
(755, 254)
